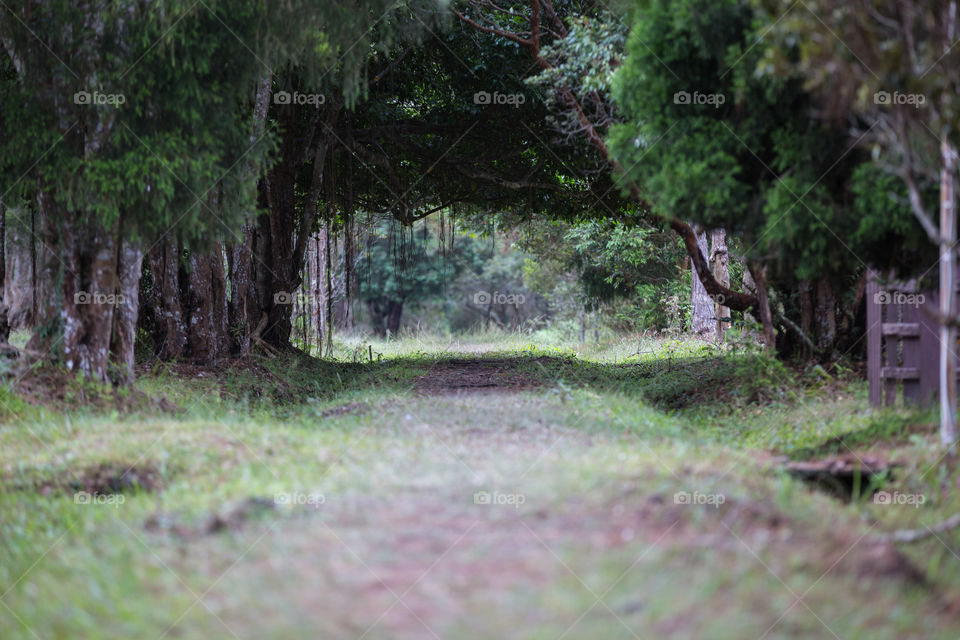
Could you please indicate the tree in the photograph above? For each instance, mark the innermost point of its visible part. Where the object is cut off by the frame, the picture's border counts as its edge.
(574, 63)
(714, 143)
(161, 156)
(895, 65)
(115, 155)
(401, 265)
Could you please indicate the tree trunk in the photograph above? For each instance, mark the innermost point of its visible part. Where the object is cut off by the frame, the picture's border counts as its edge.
(948, 356)
(242, 305)
(394, 315)
(734, 300)
(44, 269)
(701, 304)
(208, 331)
(281, 235)
(825, 315)
(763, 300)
(720, 262)
(169, 321)
(316, 283)
(18, 283)
(91, 320)
(807, 305)
(4, 309)
(123, 346)
(90, 257)
(328, 296)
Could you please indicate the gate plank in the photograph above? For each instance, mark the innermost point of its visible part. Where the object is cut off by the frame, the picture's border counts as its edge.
(874, 339)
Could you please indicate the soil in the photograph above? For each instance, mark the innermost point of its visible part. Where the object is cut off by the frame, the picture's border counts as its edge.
(474, 376)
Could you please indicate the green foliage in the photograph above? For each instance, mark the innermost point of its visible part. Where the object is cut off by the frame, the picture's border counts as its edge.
(713, 142)
(400, 265)
(446, 283)
(142, 112)
(584, 61)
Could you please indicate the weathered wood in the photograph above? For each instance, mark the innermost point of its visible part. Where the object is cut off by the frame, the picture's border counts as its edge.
(901, 329)
(910, 355)
(929, 348)
(903, 342)
(899, 373)
(891, 352)
(874, 339)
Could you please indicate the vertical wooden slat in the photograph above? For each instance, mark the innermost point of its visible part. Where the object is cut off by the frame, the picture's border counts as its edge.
(912, 389)
(874, 338)
(929, 347)
(891, 352)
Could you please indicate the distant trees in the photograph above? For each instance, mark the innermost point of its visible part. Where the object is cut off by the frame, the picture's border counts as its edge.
(132, 129)
(109, 145)
(209, 148)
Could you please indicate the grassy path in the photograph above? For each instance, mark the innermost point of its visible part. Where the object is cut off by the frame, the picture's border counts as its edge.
(522, 496)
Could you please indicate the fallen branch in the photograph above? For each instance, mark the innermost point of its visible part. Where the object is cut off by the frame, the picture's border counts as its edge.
(916, 535)
(790, 324)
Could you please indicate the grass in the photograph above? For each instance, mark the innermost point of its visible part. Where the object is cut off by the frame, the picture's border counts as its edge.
(348, 498)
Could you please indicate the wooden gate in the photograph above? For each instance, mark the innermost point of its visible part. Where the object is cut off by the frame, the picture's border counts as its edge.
(903, 343)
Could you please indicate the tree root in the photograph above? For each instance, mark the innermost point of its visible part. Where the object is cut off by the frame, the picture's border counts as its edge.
(916, 535)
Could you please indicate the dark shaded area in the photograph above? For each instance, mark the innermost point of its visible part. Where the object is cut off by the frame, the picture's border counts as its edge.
(848, 478)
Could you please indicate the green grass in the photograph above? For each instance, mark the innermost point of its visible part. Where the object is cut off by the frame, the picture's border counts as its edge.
(306, 498)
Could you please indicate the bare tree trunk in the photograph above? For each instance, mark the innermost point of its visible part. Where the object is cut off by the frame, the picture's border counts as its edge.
(244, 303)
(763, 300)
(88, 317)
(948, 355)
(87, 277)
(701, 304)
(44, 297)
(123, 345)
(169, 320)
(720, 261)
(4, 308)
(207, 330)
(242, 292)
(749, 287)
(825, 316)
(329, 286)
(807, 305)
(318, 280)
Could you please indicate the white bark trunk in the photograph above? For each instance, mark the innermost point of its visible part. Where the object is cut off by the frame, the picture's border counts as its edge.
(701, 304)
(948, 353)
(720, 263)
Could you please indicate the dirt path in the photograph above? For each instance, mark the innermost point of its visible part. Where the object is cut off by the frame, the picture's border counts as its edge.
(478, 507)
(475, 376)
(502, 515)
